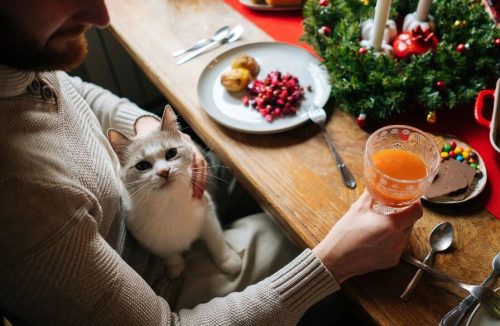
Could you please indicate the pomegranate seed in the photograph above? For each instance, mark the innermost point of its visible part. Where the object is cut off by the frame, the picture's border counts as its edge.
(245, 100)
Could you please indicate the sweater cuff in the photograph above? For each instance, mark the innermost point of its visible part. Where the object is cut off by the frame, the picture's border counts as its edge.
(127, 116)
(303, 282)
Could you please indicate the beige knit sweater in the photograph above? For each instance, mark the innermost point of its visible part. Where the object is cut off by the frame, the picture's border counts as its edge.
(59, 228)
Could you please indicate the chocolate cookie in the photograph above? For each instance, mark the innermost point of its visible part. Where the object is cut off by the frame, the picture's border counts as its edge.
(452, 176)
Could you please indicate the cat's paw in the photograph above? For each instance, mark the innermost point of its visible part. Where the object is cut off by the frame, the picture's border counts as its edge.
(231, 264)
(175, 266)
(174, 271)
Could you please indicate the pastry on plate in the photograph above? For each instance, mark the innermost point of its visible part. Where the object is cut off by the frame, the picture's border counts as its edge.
(236, 80)
(246, 62)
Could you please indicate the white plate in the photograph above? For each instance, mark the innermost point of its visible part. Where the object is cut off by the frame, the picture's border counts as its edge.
(227, 108)
(265, 7)
(481, 183)
(480, 317)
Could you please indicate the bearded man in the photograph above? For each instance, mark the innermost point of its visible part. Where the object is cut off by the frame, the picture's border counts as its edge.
(65, 257)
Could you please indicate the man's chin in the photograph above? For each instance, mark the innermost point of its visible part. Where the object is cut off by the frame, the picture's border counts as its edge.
(50, 58)
(67, 58)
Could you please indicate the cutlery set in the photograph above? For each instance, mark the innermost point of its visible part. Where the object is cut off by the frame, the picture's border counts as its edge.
(441, 239)
(222, 36)
(316, 113)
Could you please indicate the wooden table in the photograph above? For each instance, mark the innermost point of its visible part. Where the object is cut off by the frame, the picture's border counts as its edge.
(292, 174)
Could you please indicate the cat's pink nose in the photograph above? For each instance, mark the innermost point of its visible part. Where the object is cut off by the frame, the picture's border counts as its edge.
(163, 173)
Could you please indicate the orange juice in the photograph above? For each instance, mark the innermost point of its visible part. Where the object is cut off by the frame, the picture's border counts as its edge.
(398, 164)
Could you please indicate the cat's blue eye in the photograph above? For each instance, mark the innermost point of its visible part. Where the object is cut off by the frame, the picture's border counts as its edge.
(143, 165)
(171, 153)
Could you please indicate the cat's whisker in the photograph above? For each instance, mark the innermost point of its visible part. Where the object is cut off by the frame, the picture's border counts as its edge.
(144, 193)
(137, 191)
(133, 183)
(209, 167)
(211, 177)
(149, 191)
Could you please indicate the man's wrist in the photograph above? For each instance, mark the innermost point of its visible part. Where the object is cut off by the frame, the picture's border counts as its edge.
(328, 259)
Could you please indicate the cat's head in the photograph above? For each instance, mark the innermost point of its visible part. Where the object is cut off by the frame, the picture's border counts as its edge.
(156, 160)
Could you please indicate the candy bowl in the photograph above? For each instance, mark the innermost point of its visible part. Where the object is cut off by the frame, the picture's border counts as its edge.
(459, 182)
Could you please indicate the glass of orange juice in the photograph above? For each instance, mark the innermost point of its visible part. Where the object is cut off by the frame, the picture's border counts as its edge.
(400, 165)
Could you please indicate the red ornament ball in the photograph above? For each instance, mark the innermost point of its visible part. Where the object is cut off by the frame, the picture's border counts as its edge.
(361, 120)
(325, 30)
(323, 3)
(497, 42)
(362, 51)
(441, 86)
(460, 48)
(414, 42)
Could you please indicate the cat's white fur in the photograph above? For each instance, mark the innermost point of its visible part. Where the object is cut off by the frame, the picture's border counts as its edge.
(163, 216)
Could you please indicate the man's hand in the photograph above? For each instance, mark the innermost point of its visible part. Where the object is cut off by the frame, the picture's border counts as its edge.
(146, 124)
(363, 241)
(199, 168)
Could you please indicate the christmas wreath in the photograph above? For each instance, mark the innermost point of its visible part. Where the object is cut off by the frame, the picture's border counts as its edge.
(441, 70)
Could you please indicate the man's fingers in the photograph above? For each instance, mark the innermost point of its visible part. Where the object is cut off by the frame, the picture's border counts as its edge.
(407, 217)
(199, 178)
(365, 200)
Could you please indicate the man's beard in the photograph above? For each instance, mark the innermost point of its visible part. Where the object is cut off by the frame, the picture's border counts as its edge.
(21, 50)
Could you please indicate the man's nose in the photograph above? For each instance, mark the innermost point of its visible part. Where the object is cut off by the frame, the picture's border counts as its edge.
(94, 13)
(163, 173)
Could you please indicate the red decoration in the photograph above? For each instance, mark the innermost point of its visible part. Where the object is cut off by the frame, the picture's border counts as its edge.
(415, 42)
(362, 51)
(461, 48)
(497, 42)
(325, 30)
(361, 120)
(323, 3)
(441, 86)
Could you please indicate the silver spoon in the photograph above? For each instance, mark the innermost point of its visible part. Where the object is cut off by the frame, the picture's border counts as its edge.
(228, 38)
(455, 316)
(440, 239)
(221, 31)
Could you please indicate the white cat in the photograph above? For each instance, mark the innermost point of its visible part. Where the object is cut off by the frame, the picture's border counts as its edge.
(163, 216)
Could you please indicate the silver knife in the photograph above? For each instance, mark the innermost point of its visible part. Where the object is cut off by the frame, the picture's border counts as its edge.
(230, 37)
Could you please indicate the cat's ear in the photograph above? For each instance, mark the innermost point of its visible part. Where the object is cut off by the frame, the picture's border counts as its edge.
(119, 142)
(169, 120)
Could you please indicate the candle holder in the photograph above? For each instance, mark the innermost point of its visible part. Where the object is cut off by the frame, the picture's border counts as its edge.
(390, 31)
(390, 34)
(412, 21)
(385, 48)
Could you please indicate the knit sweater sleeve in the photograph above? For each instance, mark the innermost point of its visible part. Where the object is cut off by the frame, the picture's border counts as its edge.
(111, 110)
(61, 271)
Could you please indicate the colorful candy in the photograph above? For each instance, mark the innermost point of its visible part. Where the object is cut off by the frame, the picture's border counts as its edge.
(459, 153)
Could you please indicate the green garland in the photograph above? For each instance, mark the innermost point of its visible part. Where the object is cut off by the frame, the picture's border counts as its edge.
(382, 86)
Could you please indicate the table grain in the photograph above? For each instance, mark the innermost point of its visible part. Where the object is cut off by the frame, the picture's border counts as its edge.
(292, 174)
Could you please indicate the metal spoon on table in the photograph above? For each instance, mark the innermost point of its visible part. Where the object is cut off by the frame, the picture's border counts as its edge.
(228, 38)
(223, 31)
(440, 239)
(455, 316)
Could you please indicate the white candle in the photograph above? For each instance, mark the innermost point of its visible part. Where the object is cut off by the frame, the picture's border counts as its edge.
(423, 9)
(381, 14)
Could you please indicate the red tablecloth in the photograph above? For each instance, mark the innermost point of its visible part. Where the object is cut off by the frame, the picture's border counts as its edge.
(287, 27)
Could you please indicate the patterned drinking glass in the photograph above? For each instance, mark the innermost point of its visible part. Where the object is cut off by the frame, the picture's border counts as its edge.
(390, 193)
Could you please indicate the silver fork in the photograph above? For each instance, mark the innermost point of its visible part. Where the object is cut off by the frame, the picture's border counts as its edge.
(318, 116)
(482, 293)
